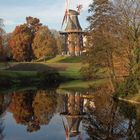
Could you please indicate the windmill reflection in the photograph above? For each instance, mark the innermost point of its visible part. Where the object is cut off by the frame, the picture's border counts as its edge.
(73, 114)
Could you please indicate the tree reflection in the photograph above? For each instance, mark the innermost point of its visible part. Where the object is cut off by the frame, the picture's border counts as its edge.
(3, 106)
(33, 108)
(44, 105)
(138, 122)
(21, 106)
(109, 120)
(130, 113)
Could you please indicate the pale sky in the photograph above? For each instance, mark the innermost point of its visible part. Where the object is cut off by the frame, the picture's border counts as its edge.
(50, 12)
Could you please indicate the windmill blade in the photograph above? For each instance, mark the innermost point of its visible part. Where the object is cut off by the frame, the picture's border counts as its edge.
(66, 13)
(79, 7)
(66, 130)
(64, 18)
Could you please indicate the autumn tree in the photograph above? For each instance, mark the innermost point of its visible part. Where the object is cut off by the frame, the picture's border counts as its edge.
(44, 44)
(102, 41)
(129, 18)
(113, 41)
(33, 23)
(22, 38)
(20, 43)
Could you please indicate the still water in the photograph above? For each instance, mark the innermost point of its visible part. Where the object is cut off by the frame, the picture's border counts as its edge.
(67, 115)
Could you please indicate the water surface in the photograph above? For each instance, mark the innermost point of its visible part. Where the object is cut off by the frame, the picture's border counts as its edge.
(60, 115)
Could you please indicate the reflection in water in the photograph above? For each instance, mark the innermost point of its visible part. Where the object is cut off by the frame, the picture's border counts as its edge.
(44, 106)
(33, 108)
(21, 107)
(74, 104)
(110, 120)
(83, 115)
(4, 102)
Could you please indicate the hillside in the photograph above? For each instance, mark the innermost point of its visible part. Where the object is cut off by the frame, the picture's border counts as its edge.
(65, 59)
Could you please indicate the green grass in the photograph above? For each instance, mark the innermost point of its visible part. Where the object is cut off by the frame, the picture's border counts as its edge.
(68, 67)
(68, 70)
(79, 84)
(72, 71)
(15, 74)
(65, 59)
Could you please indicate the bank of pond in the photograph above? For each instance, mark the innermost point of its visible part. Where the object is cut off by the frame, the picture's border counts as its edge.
(51, 75)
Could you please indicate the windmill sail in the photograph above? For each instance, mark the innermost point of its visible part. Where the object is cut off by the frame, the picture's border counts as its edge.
(65, 18)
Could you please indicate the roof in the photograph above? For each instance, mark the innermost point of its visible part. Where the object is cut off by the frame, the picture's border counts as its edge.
(73, 22)
(73, 12)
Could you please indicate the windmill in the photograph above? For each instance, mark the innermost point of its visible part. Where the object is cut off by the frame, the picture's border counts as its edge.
(73, 32)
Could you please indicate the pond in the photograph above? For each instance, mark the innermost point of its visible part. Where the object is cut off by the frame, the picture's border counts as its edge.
(67, 115)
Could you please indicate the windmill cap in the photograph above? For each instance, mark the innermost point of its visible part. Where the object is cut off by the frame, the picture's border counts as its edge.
(73, 12)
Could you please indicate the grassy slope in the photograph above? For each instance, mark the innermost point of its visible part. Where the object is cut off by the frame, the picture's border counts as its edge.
(20, 70)
(67, 66)
(79, 84)
(65, 59)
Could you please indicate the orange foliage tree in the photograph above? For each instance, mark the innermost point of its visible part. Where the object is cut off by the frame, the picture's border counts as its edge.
(22, 38)
(44, 44)
(20, 43)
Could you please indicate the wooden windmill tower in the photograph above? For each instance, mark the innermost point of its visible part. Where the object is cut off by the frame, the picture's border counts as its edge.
(73, 32)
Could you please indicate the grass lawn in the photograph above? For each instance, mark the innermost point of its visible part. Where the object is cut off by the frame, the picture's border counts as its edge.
(65, 59)
(79, 84)
(68, 70)
(67, 66)
(14, 74)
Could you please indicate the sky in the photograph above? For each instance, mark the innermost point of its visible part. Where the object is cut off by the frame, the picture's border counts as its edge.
(50, 12)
